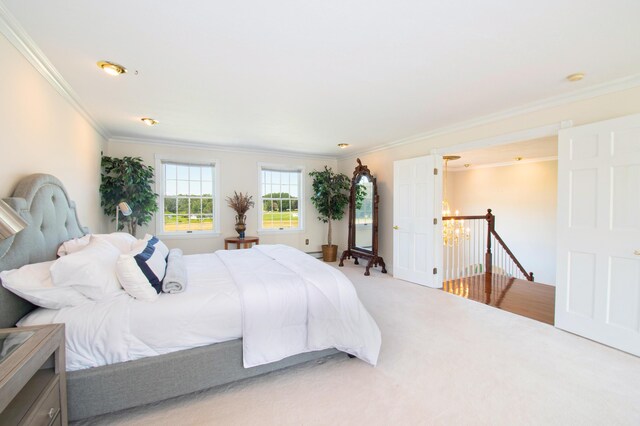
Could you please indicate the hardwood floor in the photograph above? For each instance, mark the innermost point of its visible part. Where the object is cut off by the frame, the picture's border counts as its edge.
(529, 299)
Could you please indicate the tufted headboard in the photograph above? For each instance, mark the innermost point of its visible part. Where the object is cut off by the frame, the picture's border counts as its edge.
(43, 202)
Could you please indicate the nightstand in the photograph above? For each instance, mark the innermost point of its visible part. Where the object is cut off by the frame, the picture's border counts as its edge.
(245, 242)
(33, 386)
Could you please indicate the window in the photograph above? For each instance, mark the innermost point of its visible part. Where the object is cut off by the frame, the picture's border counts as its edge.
(188, 198)
(280, 195)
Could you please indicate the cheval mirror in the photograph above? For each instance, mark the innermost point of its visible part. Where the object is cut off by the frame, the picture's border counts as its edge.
(363, 220)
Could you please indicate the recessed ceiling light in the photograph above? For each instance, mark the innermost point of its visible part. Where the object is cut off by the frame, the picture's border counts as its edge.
(467, 165)
(575, 77)
(343, 145)
(149, 121)
(111, 68)
(518, 158)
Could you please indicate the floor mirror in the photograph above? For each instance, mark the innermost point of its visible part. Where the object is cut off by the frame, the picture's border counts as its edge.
(363, 220)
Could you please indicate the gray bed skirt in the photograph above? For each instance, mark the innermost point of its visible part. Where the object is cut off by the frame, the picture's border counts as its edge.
(102, 390)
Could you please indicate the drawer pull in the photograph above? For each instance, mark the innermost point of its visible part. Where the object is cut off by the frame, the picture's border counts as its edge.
(53, 413)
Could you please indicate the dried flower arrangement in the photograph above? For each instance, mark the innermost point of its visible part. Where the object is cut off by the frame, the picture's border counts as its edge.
(241, 203)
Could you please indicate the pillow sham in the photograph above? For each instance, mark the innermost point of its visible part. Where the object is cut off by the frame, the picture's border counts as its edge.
(33, 283)
(162, 247)
(91, 271)
(141, 271)
(73, 245)
(123, 241)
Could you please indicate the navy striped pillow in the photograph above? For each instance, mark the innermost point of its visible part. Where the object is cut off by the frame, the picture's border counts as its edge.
(152, 263)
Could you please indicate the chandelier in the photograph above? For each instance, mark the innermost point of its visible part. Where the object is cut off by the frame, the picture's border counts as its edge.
(453, 230)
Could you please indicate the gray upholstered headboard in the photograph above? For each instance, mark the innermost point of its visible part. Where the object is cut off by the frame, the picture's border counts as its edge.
(43, 202)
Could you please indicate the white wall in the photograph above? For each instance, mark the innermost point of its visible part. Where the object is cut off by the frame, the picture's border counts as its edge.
(523, 197)
(380, 162)
(238, 171)
(40, 132)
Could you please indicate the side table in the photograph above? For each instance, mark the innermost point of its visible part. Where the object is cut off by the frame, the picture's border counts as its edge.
(245, 242)
(33, 384)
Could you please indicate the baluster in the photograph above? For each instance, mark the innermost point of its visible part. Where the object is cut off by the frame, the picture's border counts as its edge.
(445, 262)
(468, 251)
(458, 258)
(450, 255)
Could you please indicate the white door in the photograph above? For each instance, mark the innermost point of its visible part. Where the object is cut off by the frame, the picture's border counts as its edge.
(598, 279)
(417, 200)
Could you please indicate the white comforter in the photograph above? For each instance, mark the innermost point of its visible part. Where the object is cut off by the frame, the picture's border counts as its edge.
(293, 303)
(227, 298)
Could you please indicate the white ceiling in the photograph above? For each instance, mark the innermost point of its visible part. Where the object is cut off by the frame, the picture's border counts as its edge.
(304, 76)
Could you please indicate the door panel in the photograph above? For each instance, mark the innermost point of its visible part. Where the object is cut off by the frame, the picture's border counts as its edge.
(582, 267)
(624, 294)
(598, 278)
(583, 198)
(625, 186)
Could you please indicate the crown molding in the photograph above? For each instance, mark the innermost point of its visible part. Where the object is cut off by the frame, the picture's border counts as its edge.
(575, 96)
(217, 147)
(458, 169)
(18, 37)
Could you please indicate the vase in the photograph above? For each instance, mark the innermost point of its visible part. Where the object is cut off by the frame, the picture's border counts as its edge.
(240, 225)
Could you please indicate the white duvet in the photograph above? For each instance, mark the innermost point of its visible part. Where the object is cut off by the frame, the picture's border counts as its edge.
(280, 300)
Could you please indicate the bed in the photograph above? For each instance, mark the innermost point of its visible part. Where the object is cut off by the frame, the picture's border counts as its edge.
(43, 202)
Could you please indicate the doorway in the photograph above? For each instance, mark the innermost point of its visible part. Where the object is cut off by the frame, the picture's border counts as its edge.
(517, 179)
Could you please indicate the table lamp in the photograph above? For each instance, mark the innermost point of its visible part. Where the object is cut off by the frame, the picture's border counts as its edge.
(10, 221)
(123, 208)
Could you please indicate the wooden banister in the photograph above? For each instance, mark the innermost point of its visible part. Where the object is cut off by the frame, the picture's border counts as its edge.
(491, 231)
(491, 220)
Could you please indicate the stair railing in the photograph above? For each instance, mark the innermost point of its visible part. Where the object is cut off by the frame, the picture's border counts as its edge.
(461, 256)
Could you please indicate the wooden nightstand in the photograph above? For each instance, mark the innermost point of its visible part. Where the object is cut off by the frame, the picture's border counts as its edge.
(33, 384)
(244, 242)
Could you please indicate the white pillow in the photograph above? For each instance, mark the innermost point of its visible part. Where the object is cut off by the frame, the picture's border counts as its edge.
(141, 271)
(73, 245)
(91, 271)
(33, 283)
(121, 240)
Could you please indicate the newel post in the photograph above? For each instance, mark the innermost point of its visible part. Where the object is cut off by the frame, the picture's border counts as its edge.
(488, 261)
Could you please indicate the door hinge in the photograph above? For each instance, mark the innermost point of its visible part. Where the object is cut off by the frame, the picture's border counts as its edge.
(435, 221)
(435, 171)
(435, 271)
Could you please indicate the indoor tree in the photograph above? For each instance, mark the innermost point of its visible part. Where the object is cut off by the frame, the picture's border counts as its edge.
(330, 197)
(128, 179)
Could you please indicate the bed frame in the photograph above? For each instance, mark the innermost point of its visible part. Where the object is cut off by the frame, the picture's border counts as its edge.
(43, 202)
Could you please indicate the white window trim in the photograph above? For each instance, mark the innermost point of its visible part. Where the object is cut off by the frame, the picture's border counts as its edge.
(301, 199)
(159, 158)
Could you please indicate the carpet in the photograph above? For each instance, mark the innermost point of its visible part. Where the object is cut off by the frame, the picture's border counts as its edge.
(445, 360)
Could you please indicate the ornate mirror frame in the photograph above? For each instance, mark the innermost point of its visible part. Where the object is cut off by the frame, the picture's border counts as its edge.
(353, 250)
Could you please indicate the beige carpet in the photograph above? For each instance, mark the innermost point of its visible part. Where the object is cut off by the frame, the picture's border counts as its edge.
(444, 361)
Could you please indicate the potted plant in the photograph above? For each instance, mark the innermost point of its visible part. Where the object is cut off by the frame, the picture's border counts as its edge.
(128, 179)
(330, 197)
(241, 203)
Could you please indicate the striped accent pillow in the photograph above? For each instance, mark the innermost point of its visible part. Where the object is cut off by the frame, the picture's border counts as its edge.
(141, 271)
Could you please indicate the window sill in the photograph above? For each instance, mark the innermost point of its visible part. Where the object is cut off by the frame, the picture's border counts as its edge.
(279, 231)
(188, 236)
